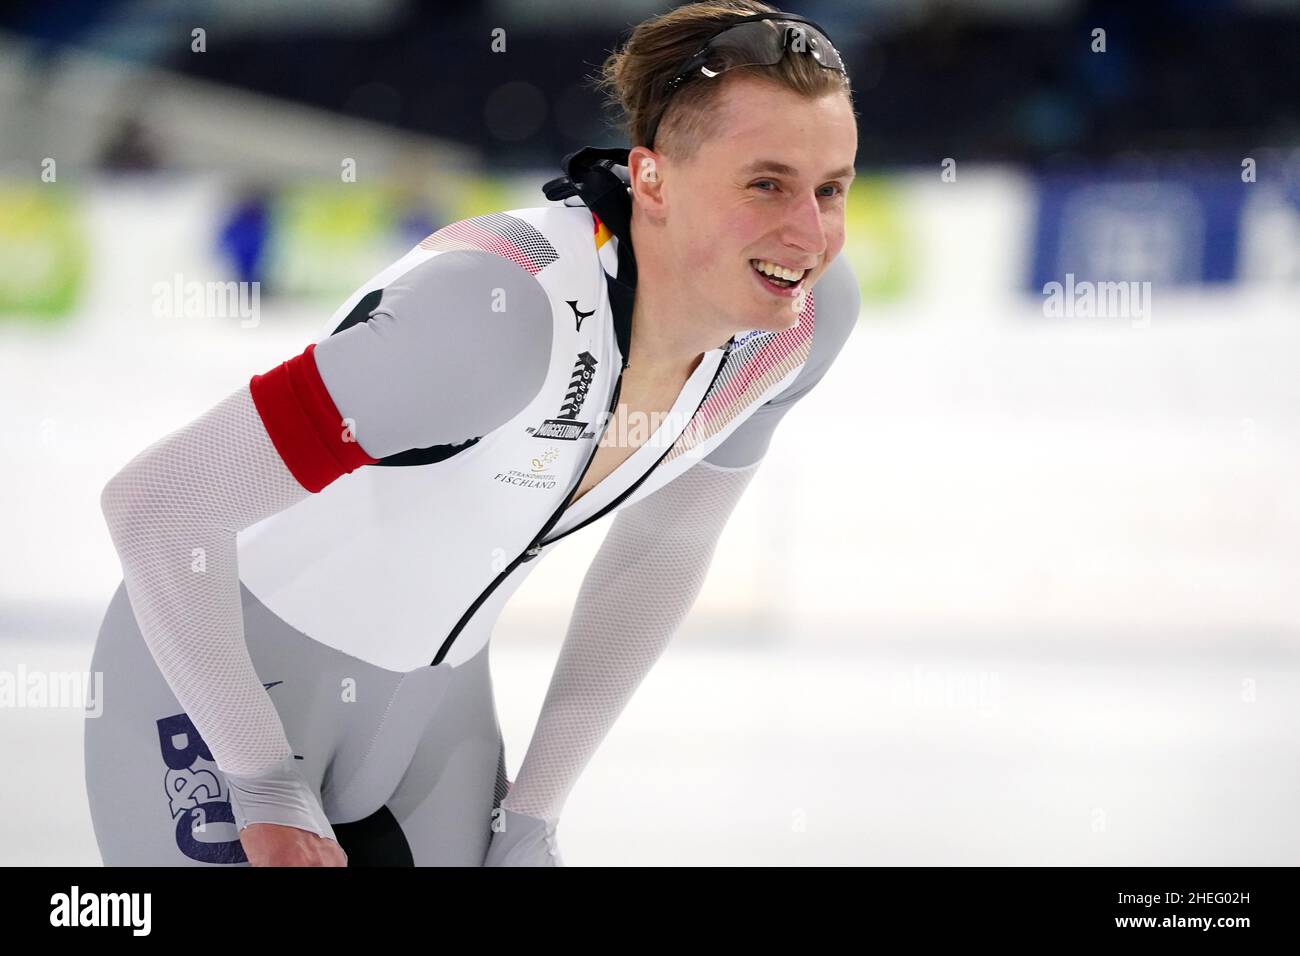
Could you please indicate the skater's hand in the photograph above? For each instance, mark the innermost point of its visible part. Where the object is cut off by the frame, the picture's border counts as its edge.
(522, 840)
(270, 844)
(280, 819)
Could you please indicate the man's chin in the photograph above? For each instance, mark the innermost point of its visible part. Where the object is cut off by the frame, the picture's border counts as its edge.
(773, 319)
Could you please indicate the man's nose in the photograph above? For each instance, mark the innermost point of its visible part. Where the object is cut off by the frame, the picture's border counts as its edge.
(803, 227)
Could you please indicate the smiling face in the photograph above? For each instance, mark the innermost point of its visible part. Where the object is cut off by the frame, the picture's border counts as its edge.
(764, 193)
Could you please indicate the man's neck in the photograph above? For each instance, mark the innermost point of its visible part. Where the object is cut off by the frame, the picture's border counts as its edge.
(669, 338)
(665, 347)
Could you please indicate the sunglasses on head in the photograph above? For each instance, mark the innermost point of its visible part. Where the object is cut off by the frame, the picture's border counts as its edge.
(758, 40)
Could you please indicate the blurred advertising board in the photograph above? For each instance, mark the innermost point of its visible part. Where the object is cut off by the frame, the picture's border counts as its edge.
(43, 251)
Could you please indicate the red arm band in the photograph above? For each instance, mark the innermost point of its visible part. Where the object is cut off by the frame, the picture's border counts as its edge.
(304, 424)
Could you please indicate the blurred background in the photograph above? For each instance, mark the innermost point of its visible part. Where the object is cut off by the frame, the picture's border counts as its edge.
(1019, 582)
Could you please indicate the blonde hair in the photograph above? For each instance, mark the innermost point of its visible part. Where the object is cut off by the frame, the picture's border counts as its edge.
(635, 78)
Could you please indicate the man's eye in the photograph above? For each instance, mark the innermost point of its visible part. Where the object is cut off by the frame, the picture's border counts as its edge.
(834, 188)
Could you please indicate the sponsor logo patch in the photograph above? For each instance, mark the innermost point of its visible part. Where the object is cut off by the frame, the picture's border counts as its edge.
(565, 425)
(198, 796)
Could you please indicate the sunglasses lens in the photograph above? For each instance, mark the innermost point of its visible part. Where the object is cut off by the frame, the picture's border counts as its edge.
(750, 44)
(825, 54)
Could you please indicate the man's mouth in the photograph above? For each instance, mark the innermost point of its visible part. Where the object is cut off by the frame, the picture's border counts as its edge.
(778, 277)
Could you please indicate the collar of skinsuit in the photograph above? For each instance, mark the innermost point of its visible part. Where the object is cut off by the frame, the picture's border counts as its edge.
(598, 176)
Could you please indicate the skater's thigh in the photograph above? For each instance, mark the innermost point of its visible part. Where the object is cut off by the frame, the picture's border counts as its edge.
(156, 795)
(441, 811)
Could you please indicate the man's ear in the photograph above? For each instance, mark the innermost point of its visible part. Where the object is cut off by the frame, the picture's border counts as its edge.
(647, 182)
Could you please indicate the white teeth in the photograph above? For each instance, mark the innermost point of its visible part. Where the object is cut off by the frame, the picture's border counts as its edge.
(772, 269)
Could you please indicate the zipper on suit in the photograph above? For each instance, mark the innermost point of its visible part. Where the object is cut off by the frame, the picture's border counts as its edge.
(535, 547)
(636, 484)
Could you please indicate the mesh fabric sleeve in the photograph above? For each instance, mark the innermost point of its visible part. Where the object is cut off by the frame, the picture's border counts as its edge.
(391, 380)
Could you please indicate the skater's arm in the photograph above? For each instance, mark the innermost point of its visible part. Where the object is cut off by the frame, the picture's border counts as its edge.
(173, 512)
(428, 361)
(638, 589)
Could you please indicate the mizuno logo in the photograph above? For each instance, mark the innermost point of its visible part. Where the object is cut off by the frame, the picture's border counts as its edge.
(578, 314)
